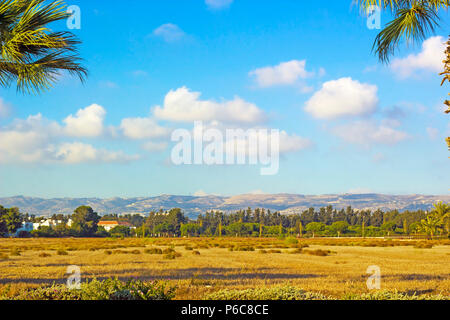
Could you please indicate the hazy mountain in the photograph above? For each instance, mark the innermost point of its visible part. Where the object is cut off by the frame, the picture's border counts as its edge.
(286, 203)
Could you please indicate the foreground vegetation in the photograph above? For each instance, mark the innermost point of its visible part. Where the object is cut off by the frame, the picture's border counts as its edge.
(225, 268)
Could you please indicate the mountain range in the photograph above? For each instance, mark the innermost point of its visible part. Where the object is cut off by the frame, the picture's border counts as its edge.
(194, 205)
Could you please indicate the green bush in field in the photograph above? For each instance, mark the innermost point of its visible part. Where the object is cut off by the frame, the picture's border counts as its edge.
(276, 293)
(15, 252)
(62, 252)
(44, 255)
(318, 252)
(153, 251)
(393, 295)
(423, 245)
(109, 289)
(291, 240)
(172, 255)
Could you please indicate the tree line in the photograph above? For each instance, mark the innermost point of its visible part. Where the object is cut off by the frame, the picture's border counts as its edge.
(326, 221)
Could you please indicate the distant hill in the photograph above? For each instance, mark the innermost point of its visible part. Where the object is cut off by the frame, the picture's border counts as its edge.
(192, 206)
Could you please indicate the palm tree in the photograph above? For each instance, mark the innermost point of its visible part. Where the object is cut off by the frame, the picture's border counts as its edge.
(413, 21)
(431, 225)
(442, 210)
(31, 54)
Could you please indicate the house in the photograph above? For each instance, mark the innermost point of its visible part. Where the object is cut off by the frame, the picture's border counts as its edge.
(109, 225)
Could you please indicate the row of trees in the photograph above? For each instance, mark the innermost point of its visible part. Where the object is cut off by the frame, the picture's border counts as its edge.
(248, 223)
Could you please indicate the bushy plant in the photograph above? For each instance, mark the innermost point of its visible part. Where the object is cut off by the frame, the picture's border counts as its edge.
(172, 255)
(275, 293)
(61, 252)
(109, 289)
(153, 251)
(393, 295)
(15, 252)
(318, 252)
(44, 255)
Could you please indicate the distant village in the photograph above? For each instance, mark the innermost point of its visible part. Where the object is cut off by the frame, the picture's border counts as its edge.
(53, 223)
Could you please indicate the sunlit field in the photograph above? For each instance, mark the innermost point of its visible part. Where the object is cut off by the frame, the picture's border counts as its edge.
(199, 267)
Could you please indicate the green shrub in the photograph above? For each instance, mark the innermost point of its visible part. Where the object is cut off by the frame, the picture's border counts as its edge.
(44, 255)
(318, 252)
(168, 251)
(15, 252)
(275, 293)
(189, 248)
(393, 295)
(62, 252)
(153, 251)
(291, 240)
(109, 289)
(172, 255)
(423, 245)
(274, 251)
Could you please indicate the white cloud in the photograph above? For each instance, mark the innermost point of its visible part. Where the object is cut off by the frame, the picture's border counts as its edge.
(5, 109)
(142, 128)
(344, 97)
(169, 32)
(367, 133)
(38, 140)
(151, 146)
(108, 84)
(218, 4)
(433, 133)
(87, 122)
(27, 140)
(429, 59)
(286, 73)
(183, 105)
(74, 153)
(293, 143)
(287, 143)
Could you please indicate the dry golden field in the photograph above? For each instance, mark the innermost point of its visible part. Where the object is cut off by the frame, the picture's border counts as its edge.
(205, 265)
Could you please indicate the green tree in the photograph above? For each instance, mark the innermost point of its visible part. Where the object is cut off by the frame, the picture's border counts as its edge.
(120, 231)
(315, 227)
(10, 220)
(339, 227)
(85, 221)
(190, 230)
(32, 55)
(431, 224)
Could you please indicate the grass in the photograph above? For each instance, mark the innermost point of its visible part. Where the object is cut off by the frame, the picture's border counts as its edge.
(202, 267)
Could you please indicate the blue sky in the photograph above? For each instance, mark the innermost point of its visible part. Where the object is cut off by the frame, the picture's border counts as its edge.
(351, 124)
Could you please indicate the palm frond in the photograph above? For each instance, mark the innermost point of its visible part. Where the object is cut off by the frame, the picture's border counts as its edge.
(31, 54)
(414, 24)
